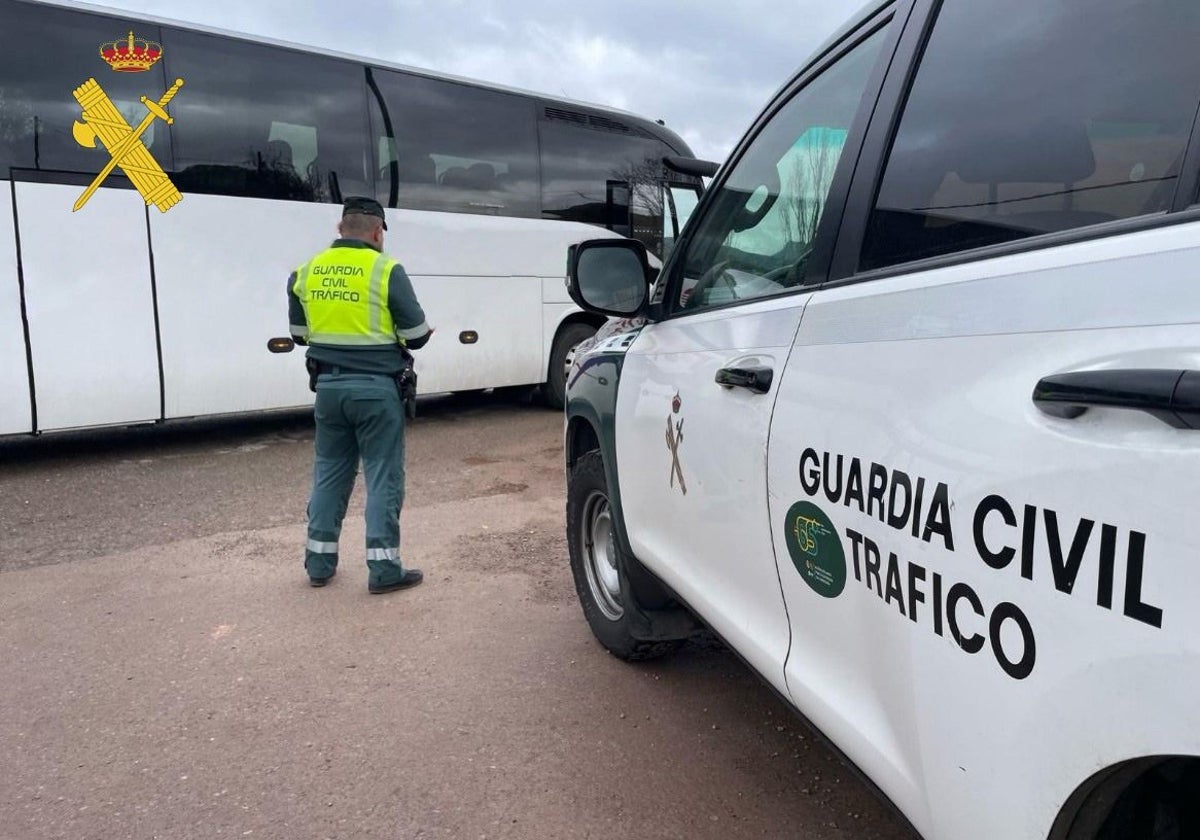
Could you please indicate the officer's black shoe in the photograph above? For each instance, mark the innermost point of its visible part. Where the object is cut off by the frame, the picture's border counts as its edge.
(312, 581)
(411, 578)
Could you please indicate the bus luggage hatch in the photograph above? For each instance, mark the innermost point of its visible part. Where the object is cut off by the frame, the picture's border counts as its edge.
(90, 303)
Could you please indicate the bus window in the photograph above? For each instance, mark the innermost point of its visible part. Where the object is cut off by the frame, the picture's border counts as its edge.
(245, 122)
(292, 145)
(453, 147)
(583, 155)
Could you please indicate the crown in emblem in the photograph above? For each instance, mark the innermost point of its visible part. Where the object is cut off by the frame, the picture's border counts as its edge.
(131, 55)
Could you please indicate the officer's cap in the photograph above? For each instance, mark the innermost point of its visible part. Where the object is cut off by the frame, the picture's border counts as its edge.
(357, 204)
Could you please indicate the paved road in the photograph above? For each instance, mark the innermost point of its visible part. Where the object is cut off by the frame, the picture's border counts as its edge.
(166, 672)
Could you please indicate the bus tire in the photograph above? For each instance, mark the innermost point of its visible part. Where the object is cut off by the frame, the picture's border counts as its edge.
(513, 393)
(599, 567)
(555, 390)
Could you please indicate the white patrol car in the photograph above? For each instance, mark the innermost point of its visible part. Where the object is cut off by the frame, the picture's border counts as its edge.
(913, 422)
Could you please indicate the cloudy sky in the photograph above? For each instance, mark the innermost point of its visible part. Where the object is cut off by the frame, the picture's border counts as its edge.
(705, 67)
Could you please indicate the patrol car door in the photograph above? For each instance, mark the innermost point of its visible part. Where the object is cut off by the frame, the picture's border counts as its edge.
(697, 389)
(982, 497)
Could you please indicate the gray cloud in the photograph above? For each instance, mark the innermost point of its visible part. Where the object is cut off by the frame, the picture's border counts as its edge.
(705, 68)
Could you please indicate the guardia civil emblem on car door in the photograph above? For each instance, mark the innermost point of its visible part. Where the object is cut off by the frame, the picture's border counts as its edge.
(674, 440)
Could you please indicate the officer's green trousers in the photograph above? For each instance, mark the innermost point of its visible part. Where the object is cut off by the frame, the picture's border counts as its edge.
(357, 416)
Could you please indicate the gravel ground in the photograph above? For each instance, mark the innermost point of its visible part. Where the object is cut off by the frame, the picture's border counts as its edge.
(166, 672)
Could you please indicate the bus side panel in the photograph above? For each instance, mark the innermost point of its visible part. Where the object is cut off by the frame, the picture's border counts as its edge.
(492, 275)
(15, 414)
(222, 266)
(554, 291)
(505, 314)
(553, 314)
(90, 305)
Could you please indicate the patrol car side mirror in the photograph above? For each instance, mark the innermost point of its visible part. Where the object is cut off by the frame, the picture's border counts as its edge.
(608, 276)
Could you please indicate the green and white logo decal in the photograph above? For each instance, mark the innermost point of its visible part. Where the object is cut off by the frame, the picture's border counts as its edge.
(815, 548)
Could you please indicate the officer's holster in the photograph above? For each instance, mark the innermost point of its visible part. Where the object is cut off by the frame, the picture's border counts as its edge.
(406, 384)
(314, 370)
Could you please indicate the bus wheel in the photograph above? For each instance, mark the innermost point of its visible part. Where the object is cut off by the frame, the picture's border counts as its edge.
(555, 390)
(598, 565)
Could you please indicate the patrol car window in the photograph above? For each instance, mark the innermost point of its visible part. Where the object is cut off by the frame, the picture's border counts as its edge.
(266, 122)
(48, 54)
(756, 235)
(458, 148)
(1027, 118)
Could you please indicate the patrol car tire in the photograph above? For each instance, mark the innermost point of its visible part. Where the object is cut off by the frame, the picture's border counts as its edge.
(555, 391)
(598, 565)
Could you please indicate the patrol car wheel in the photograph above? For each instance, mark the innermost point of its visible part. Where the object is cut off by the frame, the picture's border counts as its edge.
(1161, 804)
(598, 565)
(599, 556)
(556, 377)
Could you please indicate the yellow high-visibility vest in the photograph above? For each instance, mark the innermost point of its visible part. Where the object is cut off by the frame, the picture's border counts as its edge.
(344, 292)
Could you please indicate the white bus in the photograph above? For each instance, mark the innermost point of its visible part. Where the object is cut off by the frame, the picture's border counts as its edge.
(122, 313)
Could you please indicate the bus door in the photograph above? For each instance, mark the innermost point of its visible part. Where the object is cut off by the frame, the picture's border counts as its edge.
(650, 211)
(89, 300)
(636, 208)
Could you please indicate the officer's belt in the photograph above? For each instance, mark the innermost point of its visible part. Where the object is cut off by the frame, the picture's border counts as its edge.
(338, 370)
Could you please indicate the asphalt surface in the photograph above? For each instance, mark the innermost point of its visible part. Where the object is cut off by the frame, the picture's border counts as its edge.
(166, 671)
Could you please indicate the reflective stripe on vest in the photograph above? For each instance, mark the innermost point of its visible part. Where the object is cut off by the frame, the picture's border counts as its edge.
(344, 292)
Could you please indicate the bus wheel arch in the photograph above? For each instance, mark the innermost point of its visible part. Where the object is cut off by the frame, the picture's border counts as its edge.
(1157, 797)
(570, 332)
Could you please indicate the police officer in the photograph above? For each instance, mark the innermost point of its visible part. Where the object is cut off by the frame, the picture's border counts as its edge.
(354, 307)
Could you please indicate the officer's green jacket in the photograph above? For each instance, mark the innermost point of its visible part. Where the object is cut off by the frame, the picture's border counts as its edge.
(341, 285)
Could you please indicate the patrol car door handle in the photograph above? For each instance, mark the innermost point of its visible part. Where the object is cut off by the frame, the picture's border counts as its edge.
(1173, 396)
(757, 379)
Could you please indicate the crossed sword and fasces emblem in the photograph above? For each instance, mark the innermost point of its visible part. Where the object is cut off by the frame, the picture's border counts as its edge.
(674, 438)
(102, 120)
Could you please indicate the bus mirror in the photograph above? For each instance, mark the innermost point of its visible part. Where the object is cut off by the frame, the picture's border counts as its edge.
(691, 166)
(608, 276)
(280, 345)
